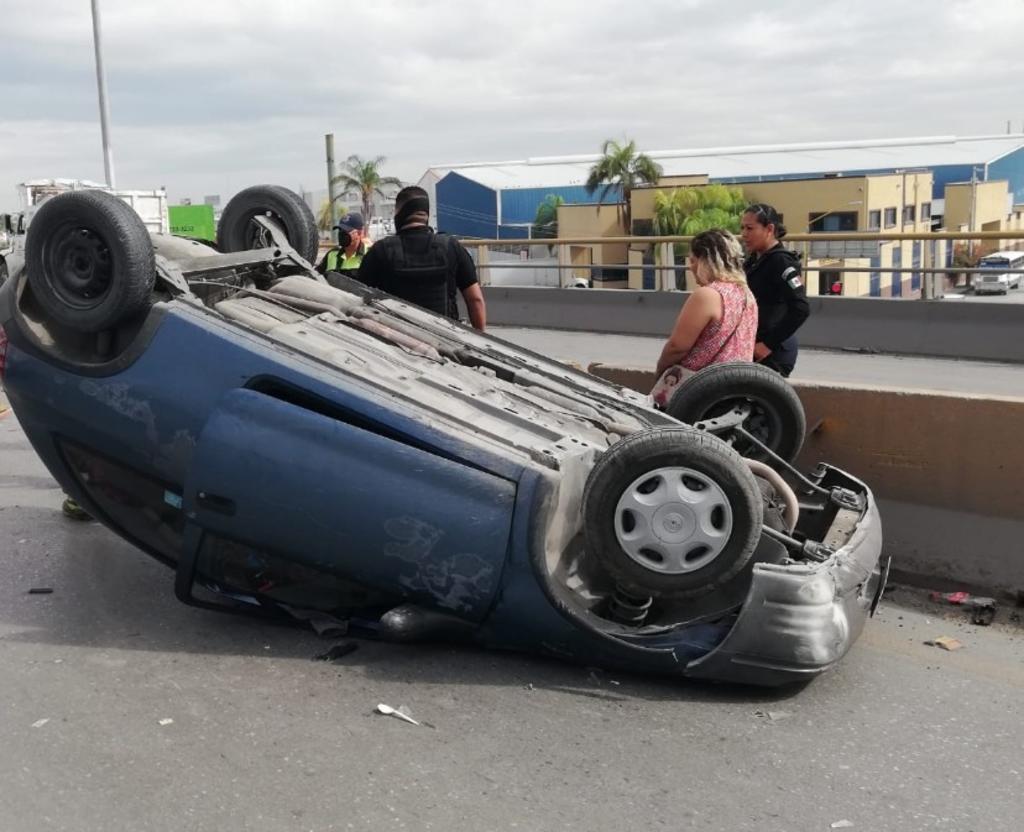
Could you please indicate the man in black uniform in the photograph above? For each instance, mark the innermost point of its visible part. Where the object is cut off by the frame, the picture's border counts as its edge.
(422, 267)
(773, 274)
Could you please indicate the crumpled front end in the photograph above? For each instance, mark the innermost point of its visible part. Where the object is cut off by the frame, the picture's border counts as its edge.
(800, 618)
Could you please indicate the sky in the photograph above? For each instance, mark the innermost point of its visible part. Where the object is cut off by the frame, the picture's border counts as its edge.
(209, 97)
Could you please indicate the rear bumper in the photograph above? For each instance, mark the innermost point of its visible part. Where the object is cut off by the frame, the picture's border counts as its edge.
(798, 620)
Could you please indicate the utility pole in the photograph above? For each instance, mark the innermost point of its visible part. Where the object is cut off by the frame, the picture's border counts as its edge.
(101, 83)
(971, 212)
(331, 195)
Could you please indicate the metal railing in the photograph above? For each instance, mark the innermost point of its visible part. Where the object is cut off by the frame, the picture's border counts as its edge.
(660, 259)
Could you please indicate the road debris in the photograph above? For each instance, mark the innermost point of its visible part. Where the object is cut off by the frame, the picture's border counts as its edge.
(337, 652)
(982, 609)
(843, 824)
(167, 721)
(774, 716)
(945, 642)
(40, 590)
(951, 597)
(401, 712)
(39, 723)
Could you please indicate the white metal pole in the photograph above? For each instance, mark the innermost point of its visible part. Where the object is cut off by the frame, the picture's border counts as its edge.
(101, 83)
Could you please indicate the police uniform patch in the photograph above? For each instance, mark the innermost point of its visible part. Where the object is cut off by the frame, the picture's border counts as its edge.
(792, 277)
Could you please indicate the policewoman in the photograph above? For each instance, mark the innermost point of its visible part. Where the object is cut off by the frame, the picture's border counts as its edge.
(773, 274)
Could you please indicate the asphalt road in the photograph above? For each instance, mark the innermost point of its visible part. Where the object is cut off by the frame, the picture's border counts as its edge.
(945, 375)
(258, 736)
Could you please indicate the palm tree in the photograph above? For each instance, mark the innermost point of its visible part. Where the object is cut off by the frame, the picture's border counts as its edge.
(688, 211)
(545, 223)
(362, 176)
(620, 165)
(325, 216)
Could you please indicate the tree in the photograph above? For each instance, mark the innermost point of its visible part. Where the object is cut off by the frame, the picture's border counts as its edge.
(688, 211)
(545, 223)
(685, 212)
(362, 177)
(325, 216)
(621, 166)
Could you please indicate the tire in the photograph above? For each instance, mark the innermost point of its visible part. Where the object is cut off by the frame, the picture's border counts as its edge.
(237, 231)
(777, 418)
(683, 543)
(89, 259)
(3, 271)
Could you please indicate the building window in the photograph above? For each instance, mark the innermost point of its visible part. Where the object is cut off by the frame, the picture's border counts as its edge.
(909, 214)
(926, 212)
(874, 220)
(890, 217)
(832, 221)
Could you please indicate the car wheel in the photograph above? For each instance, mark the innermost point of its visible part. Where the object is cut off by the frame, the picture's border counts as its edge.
(89, 259)
(237, 230)
(3, 272)
(776, 417)
(671, 512)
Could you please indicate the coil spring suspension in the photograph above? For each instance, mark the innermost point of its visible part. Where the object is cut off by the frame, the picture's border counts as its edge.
(629, 609)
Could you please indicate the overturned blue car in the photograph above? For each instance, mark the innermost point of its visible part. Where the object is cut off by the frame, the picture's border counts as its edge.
(320, 451)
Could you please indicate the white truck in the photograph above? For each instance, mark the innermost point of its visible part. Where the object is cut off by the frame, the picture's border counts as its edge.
(150, 205)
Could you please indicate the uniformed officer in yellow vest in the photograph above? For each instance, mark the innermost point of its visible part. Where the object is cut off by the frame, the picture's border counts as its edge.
(347, 256)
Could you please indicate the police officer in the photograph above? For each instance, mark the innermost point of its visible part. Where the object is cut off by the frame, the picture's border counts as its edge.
(347, 256)
(773, 274)
(423, 267)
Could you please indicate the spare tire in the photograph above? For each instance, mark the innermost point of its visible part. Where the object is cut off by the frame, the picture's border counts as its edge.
(89, 259)
(671, 512)
(776, 418)
(237, 230)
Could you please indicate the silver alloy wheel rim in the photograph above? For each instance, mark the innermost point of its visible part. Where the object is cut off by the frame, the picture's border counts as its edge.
(673, 521)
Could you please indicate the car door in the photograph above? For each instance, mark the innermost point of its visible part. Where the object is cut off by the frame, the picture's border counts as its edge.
(317, 490)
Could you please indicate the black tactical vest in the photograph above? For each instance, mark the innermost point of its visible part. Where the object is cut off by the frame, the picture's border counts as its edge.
(421, 270)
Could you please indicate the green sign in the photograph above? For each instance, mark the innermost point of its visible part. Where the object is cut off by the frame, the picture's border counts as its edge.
(192, 221)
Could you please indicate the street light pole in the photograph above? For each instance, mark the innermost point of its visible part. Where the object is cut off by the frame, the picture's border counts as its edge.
(101, 83)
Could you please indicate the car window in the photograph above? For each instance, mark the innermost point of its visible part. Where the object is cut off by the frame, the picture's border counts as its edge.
(142, 508)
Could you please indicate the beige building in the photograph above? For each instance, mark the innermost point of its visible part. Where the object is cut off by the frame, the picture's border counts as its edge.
(885, 203)
(593, 220)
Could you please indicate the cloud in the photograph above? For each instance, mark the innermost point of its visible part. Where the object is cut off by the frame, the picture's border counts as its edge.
(209, 97)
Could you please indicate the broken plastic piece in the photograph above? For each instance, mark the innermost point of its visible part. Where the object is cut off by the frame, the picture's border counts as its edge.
(398, 713)
(951, 597)
(167, 721)
(983, 611)
(39, 723)
(945, 642)
(842, 824)
(40, 590)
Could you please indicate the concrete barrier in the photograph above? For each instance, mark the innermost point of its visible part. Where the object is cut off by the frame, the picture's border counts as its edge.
(947, 328)
(947, 471)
